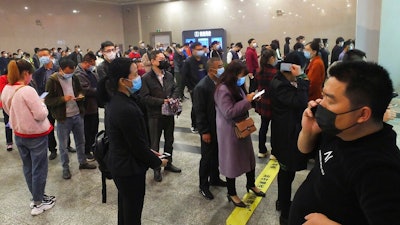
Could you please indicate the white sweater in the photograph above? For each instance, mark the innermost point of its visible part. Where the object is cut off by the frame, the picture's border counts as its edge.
(28, 113)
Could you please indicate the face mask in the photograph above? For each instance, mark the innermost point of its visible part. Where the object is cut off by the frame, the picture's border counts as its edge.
(200, 53)
(174, 45)
(163, 65)
(303, 42)
(68, 75)
(141, 71)
(136, 85)
(53, 61)
(217, 47)
(341, 44)
(5, 55)
(351, 47)
(307, 54)
(44, 60)
(92, 68)
(161, 49)
(220, 71)
(275, 63)
(240, 81)
(110, 55)
(326, 120)
(100, 54)
(255, 45)
(142, 45)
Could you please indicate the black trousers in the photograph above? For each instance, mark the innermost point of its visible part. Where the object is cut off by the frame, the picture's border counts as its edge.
(262, 134)
(230, 182)
(8, 130)
(192, 113)
(52, 139)
(208, 168)
(131, 190)
(285, 179)
(156, 127)
(91, 123)
(180, 84)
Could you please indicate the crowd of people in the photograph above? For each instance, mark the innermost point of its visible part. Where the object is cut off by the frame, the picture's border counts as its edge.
(331, 111)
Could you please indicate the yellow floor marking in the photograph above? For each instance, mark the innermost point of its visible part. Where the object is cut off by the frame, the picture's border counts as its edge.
(240, 216)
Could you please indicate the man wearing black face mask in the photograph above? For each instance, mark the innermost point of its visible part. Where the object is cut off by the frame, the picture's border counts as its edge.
(356, 179)
(158, 87)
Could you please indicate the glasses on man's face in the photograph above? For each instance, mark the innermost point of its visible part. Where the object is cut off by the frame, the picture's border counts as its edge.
(109, 50)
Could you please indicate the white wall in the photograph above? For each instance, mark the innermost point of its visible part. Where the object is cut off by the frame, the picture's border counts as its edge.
(93, 24)
(248, 18)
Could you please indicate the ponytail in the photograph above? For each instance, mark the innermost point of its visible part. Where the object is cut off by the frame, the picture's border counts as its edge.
(16, 69)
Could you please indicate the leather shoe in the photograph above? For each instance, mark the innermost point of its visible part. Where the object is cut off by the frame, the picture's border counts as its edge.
(219, 183)
(52, 155)
(71, 149)
(283, 220)
(172, 168)
(157, 175)
(206, 194)
(87, 166)
(66, 174)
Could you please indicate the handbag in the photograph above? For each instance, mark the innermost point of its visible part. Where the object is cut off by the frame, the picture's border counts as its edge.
(244, 128)
(171, 108)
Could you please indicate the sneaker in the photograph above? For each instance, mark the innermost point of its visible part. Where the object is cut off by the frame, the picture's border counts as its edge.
(45, 205)
(45, 198)
(272, 157)
(71, 149)
(9, 148)
(172, 168)
(66, 174)
(89, 157)
(194, 130)
(87, 166)
(206, 193)
(262, 155)
(52, 155)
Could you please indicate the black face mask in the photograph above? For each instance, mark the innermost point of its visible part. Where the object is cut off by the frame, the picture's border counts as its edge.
(326, 120)
(163, 65)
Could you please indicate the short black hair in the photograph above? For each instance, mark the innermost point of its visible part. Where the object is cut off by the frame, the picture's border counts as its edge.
(314, 45)
(153, 54)
(250, 40)
(368, 84)
(195, 44)
(296, 58)
(44, 49)
(239, 44)
(339, 39)
(89, 57)
(354, 55)
(106, 44)
(67, 62)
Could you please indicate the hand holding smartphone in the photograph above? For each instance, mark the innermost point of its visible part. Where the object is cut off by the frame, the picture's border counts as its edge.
(43, 95)
(258, 94)
(164, 155)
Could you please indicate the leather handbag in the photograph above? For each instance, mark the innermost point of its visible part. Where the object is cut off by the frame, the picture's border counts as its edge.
(244, 128)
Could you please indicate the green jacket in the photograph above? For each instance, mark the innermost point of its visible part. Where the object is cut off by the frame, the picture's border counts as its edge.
(55, 99)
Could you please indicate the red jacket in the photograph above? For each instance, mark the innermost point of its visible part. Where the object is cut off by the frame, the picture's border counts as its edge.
(316, 74)
(3, 83)
(251, 60)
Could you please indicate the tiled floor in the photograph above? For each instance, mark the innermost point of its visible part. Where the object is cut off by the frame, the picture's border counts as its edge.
(174, 201)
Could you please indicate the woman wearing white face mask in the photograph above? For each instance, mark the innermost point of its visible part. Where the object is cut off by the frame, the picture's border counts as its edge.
(315, 69)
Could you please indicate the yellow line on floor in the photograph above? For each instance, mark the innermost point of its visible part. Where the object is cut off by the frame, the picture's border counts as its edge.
(240, 216)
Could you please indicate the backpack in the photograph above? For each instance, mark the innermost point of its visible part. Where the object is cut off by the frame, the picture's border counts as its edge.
(100, 150)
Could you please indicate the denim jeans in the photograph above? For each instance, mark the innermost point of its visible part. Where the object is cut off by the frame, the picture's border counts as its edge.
(33, 152)
(64, 128)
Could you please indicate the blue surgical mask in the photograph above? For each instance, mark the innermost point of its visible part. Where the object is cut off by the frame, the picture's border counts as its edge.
(136, 85)
(307, 54)
(240, 81)
(92, 68)
(220, 71)
(200, 53)
(68, 75)
(44, 60)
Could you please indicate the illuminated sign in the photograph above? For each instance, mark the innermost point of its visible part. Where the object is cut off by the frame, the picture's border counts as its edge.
(205, 33)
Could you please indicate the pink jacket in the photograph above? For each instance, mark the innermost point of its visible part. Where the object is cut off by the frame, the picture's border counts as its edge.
(28, 113)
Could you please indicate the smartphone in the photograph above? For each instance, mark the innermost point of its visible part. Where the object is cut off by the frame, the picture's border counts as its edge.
(164, 155)
(258, 94)
(313, 110)
(42, 96)
(286, 67)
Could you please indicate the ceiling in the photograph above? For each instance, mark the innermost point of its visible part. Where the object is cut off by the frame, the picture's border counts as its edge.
(128, 2)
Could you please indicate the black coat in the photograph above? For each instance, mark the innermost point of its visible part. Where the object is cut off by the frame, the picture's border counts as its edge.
(204, 106)
(129, 152)
(193, 71)
(153, 93)
(288, 104)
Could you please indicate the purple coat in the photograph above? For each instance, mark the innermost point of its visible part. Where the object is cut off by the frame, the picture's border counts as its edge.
(236, 156)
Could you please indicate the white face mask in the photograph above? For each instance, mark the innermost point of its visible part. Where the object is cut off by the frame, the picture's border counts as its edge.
(110, 55)
(255, 45)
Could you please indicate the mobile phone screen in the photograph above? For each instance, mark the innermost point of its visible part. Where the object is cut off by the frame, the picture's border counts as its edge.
(44, 95)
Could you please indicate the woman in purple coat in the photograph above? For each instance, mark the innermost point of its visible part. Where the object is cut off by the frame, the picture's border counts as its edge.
(236, 156)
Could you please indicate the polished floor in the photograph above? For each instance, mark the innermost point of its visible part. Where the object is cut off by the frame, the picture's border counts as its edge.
(174, 201)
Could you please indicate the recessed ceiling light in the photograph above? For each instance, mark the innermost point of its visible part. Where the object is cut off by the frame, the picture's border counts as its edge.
(75, 11)
(26, 7)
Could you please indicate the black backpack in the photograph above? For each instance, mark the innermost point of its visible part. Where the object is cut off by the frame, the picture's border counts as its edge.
(100, 149)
